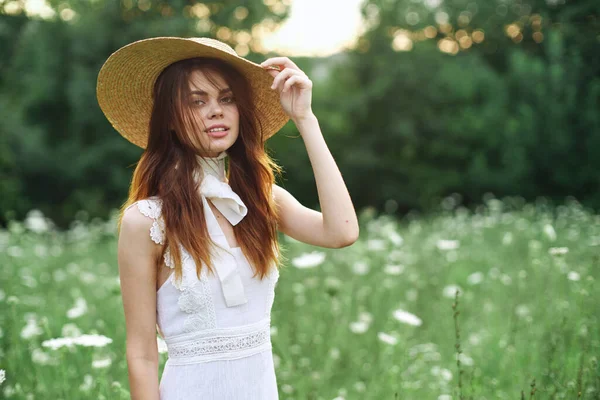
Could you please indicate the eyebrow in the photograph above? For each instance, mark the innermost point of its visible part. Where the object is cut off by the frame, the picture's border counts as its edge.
(203, 93)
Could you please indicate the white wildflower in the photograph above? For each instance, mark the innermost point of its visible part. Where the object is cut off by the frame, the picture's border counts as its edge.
(558, 251)
(360, 386)
(475, 278)
(360, 268)
(450, 291)
(92, 340)
(465, 359)
(359, 327)
(507, 238)
(407, 318)
(309, 260)
(88, 383)
(446, 374)
(58, 343)
(522, 310)
(2, 376)
(31, 329)
(474, 339)
(78, 310)
(41, 358)
(387, 338)
(365, 317)
(443, 373)
(393, 269)
(35, 221)
(535, 245)
(375, 244)
(88, 277)
(396, 238)
(573, 276)
(102, 363)
(443, 244)
(550, 232)
(70, 330)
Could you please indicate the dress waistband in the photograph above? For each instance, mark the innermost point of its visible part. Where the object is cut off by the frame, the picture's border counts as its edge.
(220, 343)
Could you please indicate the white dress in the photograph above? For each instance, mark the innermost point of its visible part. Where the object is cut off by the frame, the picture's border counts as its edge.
(217, 329)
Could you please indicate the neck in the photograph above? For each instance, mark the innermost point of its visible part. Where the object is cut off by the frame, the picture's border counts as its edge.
(214, 166)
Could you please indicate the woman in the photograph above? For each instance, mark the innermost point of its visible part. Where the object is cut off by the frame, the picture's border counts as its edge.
(197, 252)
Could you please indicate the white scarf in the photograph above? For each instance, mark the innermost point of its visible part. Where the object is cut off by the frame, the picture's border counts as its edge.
(214, 187)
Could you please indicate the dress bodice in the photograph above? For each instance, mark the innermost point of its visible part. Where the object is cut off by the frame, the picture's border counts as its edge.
(220, 316)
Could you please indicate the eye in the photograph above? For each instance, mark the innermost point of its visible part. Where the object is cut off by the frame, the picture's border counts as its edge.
(228, 99)
(197, 102)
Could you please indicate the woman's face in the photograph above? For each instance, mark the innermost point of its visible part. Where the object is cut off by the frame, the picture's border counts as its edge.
(215, 113)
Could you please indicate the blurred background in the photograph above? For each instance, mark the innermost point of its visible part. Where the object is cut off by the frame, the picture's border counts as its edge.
(467, 132)
(417, 100)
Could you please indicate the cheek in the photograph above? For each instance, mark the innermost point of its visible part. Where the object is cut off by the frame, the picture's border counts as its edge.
(235, 116)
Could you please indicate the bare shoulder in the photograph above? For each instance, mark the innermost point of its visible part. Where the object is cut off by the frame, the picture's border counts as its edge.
(135, 241)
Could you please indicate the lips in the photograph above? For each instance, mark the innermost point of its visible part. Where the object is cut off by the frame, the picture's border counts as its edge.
(218, 134)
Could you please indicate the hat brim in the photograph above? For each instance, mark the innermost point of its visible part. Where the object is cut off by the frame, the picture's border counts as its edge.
(126, 80)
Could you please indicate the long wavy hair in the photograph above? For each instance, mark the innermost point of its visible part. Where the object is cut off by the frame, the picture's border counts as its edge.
(166, 169)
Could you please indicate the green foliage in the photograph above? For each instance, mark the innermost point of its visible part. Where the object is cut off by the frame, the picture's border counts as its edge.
(497, 117)
(527, 277)
(509, 115)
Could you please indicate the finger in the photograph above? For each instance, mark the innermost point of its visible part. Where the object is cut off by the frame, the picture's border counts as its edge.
(284, 61)
(301, 81)
(283, 76)
(291, 81)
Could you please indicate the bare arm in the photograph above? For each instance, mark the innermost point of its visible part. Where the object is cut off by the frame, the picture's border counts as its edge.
(337, 224)
(137, 258)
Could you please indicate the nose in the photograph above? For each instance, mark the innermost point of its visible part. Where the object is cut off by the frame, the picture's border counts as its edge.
(214, 109)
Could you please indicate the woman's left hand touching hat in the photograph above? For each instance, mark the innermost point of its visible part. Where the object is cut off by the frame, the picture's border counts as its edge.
(294, 86)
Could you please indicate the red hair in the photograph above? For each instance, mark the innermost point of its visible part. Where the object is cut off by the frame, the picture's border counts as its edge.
(168, 163)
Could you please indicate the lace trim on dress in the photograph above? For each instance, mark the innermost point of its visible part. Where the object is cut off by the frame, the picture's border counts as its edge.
(220, 344)
(152, 209)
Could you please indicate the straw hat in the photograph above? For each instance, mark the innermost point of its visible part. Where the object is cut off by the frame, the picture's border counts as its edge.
(126, 81)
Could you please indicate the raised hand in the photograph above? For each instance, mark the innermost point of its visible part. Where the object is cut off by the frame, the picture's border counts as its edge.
(294, 86)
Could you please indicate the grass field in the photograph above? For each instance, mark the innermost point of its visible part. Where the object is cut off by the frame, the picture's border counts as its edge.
(377, 320)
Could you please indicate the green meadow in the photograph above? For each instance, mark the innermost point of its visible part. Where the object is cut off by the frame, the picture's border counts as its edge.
(497, 302)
